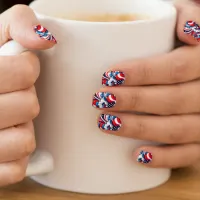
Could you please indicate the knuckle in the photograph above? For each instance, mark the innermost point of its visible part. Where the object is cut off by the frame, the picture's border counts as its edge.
(177, 70)
(175, 136)
(141, 130)
(174, 103)
(31, 69)
(34, 107)
(29, 143)
(135, 99)
(144, 71)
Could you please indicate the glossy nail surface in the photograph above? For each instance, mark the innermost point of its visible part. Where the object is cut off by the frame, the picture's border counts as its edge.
(193, 29)
(144, 157)
(44, 33)
(113, 78)
(104, 100)
(109, 122)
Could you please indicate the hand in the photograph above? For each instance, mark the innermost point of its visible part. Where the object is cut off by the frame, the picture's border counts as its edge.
(168, 88)
(18, 99)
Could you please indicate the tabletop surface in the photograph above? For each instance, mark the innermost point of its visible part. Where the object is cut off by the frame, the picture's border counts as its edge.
(183, 185)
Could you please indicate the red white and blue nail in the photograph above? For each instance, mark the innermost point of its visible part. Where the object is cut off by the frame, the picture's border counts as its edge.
(104, 100)
(193, 29)
(109, 122)
(44, 33)
(144, 157)
(113, 78)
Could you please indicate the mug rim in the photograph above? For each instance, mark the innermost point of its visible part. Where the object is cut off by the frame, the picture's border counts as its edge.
(171, 14)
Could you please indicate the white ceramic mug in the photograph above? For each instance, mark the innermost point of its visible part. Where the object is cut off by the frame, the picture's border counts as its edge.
(86, 160)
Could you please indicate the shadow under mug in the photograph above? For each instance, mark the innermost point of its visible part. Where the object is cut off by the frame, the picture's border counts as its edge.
(77, 156)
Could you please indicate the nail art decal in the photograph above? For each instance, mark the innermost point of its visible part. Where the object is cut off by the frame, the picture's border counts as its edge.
(113, 78)
(193, 29)
(104, 100)
(44, 33)
(144, 157)
(109, 122)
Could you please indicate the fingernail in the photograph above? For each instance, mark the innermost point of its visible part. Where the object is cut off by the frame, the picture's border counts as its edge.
(44, 33)
(109, 122)
(104, 100)
(113, 78)
(144, 157)
(193, 29)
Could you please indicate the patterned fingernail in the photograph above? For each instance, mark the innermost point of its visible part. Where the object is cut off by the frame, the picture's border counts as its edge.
(109, 122)
(104, 100)
(44, 33)
(193, 29)
(113, 78)
(144, 157)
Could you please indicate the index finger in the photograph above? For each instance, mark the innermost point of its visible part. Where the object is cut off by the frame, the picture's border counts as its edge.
(180, 65)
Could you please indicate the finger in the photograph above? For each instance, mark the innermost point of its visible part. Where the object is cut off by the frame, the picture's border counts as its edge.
(168, 156)
(13, 172)
(18, 72)
(178, 66)
(18, 107)
(20, 24)
(188, 29)
(16, 142)
(167, 130)
(160, 100)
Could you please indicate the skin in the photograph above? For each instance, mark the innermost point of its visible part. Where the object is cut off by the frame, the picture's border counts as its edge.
(18, 99)
(165, 87)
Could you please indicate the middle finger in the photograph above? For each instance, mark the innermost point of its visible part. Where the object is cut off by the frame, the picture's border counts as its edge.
(160, 100)
(180, 65)
(163, 129)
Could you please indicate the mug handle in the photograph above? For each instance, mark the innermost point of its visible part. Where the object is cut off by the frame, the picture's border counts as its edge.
(41, 162)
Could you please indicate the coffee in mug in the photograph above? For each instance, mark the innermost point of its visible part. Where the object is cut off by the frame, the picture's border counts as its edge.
(108, 17)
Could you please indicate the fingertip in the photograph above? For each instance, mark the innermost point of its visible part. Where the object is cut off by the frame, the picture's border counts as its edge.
(45, 38)
(25, 28)
(188, 32)
(44, 34)
(37, 44)
(143, 155)
(188, 29)
(36, 39)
